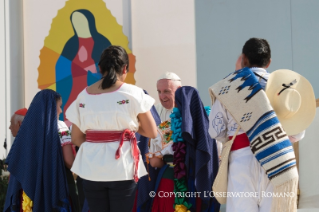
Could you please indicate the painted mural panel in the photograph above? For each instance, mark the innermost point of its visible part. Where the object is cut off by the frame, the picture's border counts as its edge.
(69, 58)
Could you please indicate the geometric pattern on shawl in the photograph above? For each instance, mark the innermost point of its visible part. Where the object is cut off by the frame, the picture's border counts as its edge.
(242, 95)
(145, 186)
(201, 151)
(35, 161)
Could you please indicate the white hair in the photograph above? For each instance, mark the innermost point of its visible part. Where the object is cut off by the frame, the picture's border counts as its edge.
(178, 83)
(173, 77)
(17, 118)
(170, 76)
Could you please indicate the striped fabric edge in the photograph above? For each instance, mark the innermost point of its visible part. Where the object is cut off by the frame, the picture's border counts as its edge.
(285, 175)
(276, 155)
(261, 120)
(274, 165)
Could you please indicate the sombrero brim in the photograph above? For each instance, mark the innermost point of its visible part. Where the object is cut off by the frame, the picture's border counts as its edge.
(307, 111)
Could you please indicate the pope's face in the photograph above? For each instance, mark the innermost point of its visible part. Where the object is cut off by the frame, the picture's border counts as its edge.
(166, 92)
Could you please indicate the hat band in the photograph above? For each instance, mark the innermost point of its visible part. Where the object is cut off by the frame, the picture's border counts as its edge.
(287, 86)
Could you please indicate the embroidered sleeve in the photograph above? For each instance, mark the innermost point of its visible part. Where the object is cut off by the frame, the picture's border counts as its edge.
(64, 134)
(65, 138)
(218, 122)
(156, 144)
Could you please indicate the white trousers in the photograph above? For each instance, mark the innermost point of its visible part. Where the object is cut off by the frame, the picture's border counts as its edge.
(248, 182)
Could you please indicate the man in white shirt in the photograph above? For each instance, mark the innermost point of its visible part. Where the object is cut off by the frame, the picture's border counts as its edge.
(245, 173)
(167, 84)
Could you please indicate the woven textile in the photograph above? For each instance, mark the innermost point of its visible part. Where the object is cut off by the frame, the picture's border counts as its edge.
(245, 99)
(36, 161)
(201, 150)
(249, 105)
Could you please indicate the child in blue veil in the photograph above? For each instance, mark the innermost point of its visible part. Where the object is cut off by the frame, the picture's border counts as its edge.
(35, 161)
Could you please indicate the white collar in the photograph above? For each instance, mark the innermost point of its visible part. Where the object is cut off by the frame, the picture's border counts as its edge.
(259, 70)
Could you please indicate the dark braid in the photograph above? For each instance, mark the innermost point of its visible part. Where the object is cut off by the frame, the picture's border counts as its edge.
(112, 62)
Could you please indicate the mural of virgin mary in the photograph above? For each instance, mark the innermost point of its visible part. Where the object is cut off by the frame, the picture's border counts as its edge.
(77, 66)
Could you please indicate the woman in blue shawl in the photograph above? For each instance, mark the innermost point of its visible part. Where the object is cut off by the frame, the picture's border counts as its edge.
(35, 161)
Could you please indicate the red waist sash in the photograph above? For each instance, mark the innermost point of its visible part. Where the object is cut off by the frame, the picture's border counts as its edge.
(241, 141)
(94, 136)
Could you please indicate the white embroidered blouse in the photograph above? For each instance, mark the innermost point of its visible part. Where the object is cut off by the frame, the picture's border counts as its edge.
(113, 111)
(64, 133)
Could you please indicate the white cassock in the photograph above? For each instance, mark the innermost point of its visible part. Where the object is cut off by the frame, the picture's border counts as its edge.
(163, 112)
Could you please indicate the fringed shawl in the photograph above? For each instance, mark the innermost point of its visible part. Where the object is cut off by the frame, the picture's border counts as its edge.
(243, 96)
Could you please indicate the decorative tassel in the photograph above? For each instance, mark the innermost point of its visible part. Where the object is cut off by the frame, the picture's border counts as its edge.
(285, 197)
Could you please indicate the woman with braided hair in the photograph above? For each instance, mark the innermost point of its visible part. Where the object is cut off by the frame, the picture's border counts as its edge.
(105, 117)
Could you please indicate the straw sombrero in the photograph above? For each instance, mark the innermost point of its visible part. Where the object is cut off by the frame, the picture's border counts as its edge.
(292, 97)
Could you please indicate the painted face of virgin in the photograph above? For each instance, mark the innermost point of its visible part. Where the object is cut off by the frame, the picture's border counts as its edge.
(81, 25)
(58, 107)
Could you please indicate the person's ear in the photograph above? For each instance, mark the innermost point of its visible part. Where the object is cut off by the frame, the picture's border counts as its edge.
(239, 63)
(19, 123)
(245, 61)
(124, 71)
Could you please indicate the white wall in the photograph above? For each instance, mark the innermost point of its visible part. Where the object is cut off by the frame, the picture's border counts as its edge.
(11, 64)
(38, 17)
(163, 35)
(3, 120)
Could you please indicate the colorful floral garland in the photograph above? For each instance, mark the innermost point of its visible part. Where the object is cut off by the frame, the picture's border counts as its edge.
(179, 147)
(27, 203)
